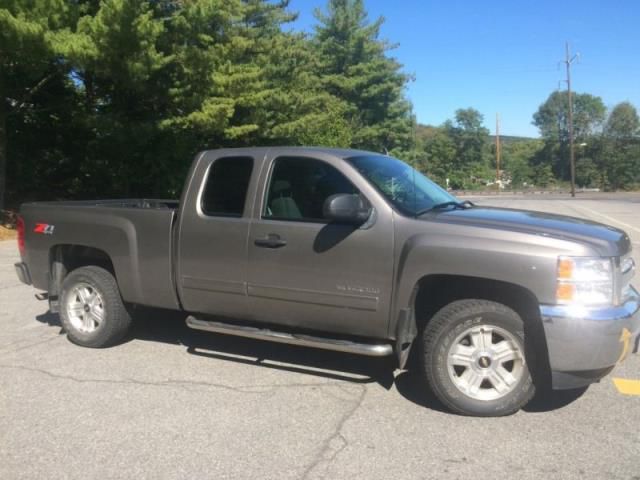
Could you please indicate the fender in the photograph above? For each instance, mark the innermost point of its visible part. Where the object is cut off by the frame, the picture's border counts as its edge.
(431, 248)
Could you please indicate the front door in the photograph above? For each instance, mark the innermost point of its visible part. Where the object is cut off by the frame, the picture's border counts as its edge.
(306, 272)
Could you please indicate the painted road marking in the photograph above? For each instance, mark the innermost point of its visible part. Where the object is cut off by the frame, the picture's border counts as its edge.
(627, 387)
(611, 219)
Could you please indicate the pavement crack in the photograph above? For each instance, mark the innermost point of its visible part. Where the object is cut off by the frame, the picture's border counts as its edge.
(329, 451)
(6, 349)
(183, 384)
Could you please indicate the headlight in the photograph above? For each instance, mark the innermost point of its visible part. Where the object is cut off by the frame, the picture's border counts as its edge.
(585, 281)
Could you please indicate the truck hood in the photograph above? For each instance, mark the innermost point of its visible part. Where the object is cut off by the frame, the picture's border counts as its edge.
(609, 241)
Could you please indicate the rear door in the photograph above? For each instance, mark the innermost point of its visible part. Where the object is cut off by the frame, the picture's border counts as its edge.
(213, 233)
(306, 272)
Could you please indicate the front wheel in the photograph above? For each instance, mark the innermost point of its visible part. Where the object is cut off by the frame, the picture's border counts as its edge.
(474, 358)
(91, 308)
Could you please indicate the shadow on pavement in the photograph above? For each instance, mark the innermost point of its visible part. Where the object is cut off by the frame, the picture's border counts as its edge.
(548, 400)
(412, 387)
(169, 327)
(51, 319)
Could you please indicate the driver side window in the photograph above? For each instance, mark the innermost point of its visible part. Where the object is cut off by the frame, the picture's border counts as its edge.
(299, 187)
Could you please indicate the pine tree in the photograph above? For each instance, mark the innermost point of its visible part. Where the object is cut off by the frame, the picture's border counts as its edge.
(116, 63)
(297, 110)
(31, 36)
(217, 82)
(355, 67)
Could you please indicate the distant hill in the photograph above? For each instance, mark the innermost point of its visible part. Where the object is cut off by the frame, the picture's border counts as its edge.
(427, 131)
(507, 139)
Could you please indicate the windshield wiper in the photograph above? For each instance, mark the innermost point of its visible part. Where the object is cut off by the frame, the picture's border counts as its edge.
(439, 206)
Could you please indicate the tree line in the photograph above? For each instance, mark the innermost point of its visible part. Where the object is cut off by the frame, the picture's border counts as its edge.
(112, 98)
(461, 153)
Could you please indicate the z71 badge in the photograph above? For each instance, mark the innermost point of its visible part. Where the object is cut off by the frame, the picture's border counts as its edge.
(44, 228)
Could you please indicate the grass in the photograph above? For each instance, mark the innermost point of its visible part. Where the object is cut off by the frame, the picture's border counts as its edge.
(6, 233)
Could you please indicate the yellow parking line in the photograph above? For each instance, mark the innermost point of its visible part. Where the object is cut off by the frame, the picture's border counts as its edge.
(627, 387)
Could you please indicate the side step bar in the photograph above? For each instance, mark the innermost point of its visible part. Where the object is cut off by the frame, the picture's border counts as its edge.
(338, 345)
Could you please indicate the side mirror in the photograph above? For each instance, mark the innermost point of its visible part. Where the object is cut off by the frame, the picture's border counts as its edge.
(346, 208)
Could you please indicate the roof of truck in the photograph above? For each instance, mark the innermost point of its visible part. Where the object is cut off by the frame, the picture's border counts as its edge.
(338, 152)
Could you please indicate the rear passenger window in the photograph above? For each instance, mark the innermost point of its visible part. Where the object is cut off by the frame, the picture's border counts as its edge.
(226, 189)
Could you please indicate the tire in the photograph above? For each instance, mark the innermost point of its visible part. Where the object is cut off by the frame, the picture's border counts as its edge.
(91, 308)
(473, 358)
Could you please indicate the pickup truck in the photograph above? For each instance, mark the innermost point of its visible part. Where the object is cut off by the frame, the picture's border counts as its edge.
(351, 251)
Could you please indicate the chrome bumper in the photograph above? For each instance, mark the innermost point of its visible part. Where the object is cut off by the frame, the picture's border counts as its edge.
(586, 343)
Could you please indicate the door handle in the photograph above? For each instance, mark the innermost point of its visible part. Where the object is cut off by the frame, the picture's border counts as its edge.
(272, 240)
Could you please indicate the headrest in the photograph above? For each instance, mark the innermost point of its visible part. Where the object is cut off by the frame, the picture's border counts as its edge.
(281, 186)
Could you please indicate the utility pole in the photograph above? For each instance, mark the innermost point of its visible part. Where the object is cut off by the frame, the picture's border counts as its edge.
(572, 160)
(498, 151)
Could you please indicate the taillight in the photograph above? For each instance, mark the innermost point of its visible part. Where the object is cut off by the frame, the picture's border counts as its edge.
(20, 230)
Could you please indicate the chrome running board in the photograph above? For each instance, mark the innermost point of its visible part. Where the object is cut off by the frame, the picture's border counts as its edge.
(338, 345)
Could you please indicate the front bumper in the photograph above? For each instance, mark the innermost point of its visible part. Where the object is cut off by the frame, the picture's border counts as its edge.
(586, 343)
(23, 272)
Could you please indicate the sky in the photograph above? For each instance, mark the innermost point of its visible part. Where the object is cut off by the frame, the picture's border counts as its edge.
(506, 56)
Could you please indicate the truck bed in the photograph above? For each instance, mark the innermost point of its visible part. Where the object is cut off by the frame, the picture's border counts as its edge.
(135, 234)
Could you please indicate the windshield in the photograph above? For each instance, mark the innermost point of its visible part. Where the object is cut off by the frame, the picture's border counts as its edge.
(406, 188)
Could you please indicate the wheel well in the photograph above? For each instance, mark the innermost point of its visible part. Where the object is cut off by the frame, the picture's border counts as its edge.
(436, 291)
(63, 259)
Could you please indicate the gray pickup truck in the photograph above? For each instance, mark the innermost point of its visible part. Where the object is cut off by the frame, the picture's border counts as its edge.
(350, 251)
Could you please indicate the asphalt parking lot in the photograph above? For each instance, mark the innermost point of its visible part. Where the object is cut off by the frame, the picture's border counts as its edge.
(176, 403)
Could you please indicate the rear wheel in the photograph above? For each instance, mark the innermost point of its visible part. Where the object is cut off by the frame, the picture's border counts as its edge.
(474, 358)
(91, 308)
